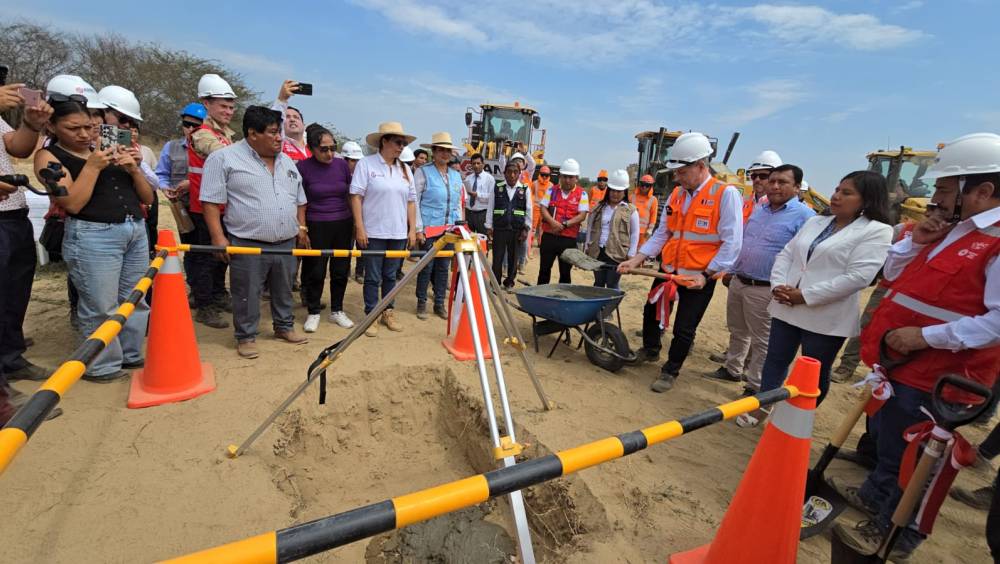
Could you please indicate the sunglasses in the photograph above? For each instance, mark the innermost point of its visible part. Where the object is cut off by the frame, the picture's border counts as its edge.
(760, 176)
(190, 125)
(398, 141)
(124, 120)
(326, 149)
(60, 98)
(645, 185)
(602, 179)
(545, 174)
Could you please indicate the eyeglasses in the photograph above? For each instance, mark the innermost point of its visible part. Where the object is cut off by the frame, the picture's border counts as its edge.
(326, 149)
(760, 175)
(60, 98)
(190, 125)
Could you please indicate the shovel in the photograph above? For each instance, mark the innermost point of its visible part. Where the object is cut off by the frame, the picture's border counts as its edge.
(823, 504)
(949, 417)
(579, 259)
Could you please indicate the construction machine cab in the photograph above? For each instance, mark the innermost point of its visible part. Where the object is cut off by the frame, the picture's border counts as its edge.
(497, 130)
(903, 169)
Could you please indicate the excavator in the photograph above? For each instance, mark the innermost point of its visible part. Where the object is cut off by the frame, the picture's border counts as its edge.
(903, 169)
(497, 130)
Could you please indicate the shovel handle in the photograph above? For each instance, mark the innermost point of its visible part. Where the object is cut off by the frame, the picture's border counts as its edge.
(650, 272)
(851, 419)
(915, 487)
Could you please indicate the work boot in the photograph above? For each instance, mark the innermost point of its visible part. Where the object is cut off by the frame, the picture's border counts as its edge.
(29, 371)
(210, 316)
(724, 375)
(866, 538)
(291, 336)
(646, 355)
(106, 378)
(851, 495)
(400, 274)
(440, 311)
(247, 349)
(372, 330)
(224, 302)
(389, 320)
(980, 498)
(718, 357)
(664, 383)
(421, 310)
(842, 374)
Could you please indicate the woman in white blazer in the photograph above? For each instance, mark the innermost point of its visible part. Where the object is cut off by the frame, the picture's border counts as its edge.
(818, 276)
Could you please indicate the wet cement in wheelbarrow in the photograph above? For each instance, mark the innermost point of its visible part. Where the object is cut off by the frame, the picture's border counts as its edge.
(570, 292)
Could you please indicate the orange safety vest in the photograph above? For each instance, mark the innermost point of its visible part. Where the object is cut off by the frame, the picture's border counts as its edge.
(694, 234)
(596, 196)
(195, 164)
(749, 202)
(539, 189)
(646, 206)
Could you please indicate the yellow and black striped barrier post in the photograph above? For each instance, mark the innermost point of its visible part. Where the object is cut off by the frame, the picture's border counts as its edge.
(332, 253)
(22, 425)
(330, 532)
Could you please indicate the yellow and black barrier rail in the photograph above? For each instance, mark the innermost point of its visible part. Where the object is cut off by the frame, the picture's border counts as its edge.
(337, 530)
(333, 253)
(25, 422)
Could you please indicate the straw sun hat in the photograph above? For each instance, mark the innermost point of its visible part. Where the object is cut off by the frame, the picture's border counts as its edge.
(388, 128)
(441, 139)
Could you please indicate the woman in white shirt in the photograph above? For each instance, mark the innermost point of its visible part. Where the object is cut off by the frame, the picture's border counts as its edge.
(613, 230)
(383, 202)
(818, 277)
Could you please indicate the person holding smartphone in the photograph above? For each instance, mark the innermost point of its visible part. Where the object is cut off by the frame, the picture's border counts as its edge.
(105, 245)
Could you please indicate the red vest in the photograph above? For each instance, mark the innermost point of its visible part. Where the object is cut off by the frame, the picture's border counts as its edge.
(293, 151)
(195, 164)
(946, 288)
(564, 209)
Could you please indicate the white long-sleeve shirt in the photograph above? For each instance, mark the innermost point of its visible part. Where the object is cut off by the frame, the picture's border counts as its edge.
(484, 190)
(608, 212)
(490, 204)
(730, 228)
(978, 332)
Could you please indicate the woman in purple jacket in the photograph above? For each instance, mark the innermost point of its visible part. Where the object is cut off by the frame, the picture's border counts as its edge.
(326, 180)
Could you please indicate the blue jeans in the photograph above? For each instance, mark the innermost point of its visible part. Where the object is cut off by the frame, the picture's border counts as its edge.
(881, 488)
(439, 269)
(782, 344)
(106, 261)
(380, 272)
(607, 277)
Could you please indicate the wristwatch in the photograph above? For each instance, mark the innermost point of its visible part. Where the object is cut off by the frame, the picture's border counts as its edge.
(303, 228)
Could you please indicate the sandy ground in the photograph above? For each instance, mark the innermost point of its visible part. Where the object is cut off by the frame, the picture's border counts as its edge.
(104, 483)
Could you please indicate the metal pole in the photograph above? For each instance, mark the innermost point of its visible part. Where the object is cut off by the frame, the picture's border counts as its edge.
(234, 451)
(525, 549)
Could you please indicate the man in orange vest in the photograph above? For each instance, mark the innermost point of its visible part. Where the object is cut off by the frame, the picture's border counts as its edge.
(942, 313)
(539, 188)
(207, 273)
(646, 204)
(598, 190)
(700, 233)
(563, 209)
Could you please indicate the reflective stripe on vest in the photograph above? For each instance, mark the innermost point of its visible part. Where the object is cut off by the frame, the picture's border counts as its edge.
(688, 251)
(792, 420)
(924, 308)
(196, 170)
(701, 237)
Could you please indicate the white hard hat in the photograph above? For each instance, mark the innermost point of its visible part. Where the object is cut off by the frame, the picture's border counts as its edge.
(569, 168)
(70, 84)
(975, 153)
(406, 156)
(518, 156)
(352, 150)
(804, 186)
(765, 160)
(689, 148)
(214, 86)
(121, 100)
(618, 180)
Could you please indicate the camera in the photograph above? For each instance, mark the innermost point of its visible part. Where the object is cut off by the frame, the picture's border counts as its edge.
(51, 175)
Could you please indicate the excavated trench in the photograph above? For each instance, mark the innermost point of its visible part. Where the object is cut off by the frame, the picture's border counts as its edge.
(386, 433)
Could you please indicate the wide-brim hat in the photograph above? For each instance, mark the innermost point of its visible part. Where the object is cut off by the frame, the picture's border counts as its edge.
(388, 128)
(441, 139)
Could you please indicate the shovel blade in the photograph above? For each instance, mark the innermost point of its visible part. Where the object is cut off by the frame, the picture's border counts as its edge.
(821, 508)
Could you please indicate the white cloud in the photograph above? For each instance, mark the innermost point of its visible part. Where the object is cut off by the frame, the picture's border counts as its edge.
(907, 6)
(425, 16)
(240, 60)
(768, 98)
(841, 115)
(813, 24)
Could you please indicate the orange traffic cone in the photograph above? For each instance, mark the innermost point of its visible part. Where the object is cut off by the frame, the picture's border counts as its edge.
(459, 340)
(173, 370)
(763, 521)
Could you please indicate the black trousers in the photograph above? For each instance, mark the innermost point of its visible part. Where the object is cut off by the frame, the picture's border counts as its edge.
(327, 235)
(206, 274)
(505, 243)
(993, 522)
(152, 223)
(550, 247)
(691, 307)
(476, 220)
(17, 271)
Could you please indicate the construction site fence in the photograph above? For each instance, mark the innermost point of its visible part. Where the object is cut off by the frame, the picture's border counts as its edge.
(306, 539)
(31, 415)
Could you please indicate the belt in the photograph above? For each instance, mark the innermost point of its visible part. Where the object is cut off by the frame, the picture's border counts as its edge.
(752, 282)
(21, 213)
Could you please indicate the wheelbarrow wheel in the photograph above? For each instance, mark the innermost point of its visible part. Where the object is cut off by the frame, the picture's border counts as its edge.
(613, 340)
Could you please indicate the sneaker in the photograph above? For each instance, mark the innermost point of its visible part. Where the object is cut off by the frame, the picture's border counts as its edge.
(421, 311)
(718, 357)
(864, 538)
(851, 495)
(209, 315)
(291, 336)
(247, 349)
(664, 383)
(312, 323)
(977, 499)
(440, 311)
(725, 375)
(341, 319)
(647, 355)
(372, 330)
(389, 320)
(106, 378)
(134, 364)
(30, 372)
(842, 374)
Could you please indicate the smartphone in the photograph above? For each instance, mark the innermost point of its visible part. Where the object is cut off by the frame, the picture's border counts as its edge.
(3, 74)
(124, 137)
(304, 89)
(31, 97)
(109, 136)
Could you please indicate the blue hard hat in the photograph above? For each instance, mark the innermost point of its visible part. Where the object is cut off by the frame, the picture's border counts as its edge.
(195, 110)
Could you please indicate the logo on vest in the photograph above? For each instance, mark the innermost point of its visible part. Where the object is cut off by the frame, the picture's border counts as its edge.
(701, 223)
(979, 246)
(967, 254)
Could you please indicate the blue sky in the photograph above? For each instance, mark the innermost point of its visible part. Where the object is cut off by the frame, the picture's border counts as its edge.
(822, 83)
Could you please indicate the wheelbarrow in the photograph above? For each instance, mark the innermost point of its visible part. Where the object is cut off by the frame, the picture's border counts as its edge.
(563, 308)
